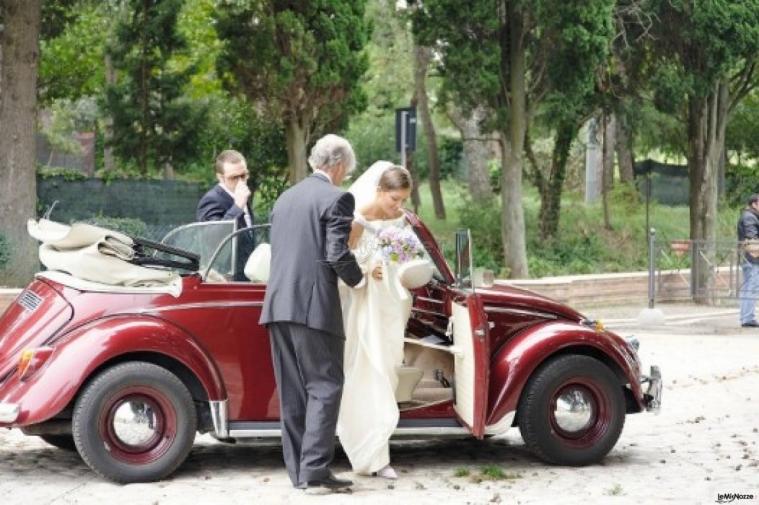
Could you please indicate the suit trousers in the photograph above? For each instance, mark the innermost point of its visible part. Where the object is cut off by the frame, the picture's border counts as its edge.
(308, 368)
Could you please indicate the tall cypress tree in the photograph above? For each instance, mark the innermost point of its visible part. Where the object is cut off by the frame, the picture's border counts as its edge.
(153, 125)
(299, 61)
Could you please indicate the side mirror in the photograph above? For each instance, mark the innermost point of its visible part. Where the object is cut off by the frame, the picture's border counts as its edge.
(464, 259)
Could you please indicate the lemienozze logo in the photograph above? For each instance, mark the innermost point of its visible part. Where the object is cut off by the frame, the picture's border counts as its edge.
(731, 497)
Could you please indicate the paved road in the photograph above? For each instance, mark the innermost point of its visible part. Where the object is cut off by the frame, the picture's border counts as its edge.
(703, 444)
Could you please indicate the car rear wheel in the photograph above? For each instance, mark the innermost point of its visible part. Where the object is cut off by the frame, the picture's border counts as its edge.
(65, 442)
(134, 422)
(572, 411)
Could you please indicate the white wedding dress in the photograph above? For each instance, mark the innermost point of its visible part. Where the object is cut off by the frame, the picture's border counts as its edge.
(375, 318)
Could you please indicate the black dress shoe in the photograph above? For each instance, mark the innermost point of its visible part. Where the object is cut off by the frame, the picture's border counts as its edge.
(330, 482)
(751, 324)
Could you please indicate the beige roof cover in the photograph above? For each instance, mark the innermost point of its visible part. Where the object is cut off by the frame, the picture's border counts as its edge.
(94, 254)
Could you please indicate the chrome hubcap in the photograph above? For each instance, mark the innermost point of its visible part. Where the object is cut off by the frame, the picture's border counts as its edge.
(134, 423)
(574, 410)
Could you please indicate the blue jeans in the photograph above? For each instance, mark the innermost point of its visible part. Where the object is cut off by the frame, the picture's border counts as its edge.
(749, 290)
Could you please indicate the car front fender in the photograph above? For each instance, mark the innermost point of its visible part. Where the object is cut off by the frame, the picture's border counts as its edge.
(82, 351)
(514, 363)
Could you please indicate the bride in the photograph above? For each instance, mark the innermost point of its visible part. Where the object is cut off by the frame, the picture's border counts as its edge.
(375, 318)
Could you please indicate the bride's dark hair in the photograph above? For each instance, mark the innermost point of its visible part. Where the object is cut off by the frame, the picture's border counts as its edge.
(395, 177)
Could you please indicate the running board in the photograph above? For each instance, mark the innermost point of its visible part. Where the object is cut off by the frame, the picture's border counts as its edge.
(406, 427)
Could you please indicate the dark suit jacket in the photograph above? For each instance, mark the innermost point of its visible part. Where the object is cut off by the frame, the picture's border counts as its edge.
(218, 205)
(310, 222)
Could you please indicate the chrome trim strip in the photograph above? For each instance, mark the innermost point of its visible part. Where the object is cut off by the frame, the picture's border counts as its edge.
(421, 430)
(432, 300)
(439, 431)
(263, 433)
(503, 425)
(202, 305)
(520, 312)
(219, 418)
(9, 412)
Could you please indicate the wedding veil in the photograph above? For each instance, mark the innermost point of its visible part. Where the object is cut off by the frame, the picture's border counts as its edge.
(364, 189)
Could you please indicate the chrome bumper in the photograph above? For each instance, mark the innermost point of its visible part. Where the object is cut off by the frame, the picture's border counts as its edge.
(652, 396)
(9, 412)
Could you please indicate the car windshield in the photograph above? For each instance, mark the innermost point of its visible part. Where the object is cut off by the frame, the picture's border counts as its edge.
(213, 243)
(203, 239)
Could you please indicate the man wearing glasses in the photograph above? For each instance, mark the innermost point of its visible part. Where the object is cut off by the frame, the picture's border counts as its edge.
(230, 199)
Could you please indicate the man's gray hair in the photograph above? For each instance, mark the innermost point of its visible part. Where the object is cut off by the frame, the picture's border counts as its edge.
(331, 150)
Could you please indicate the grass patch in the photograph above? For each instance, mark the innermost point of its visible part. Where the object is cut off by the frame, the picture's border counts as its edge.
(461, 472)
(615, 490)
(493, 473)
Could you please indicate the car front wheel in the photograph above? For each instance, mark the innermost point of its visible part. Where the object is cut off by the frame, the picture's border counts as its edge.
(134, 422)
(572, 411)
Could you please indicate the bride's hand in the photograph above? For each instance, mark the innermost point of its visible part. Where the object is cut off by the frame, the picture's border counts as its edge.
(377, 273)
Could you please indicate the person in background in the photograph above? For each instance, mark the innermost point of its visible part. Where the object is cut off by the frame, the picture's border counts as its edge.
(230, 200)
(748, 230)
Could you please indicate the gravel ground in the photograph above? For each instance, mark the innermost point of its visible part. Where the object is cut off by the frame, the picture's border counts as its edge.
(702, 445)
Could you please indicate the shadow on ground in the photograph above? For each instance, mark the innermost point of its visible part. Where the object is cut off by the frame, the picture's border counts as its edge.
(216, 460)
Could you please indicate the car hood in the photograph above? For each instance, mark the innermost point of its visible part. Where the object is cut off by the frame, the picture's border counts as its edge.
(503, 295)
(29, 321)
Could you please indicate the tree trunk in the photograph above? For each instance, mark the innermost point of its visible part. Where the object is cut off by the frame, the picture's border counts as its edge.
(475, 154)
(607, 165)
(110, 80)
(18, 103)
(422, 58)
(296, 150)
(707, 120)
(512, 213)
(551, 191)
(416, 200)
(168, 172)
(625, 156)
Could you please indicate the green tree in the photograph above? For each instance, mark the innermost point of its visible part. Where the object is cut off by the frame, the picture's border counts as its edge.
(154, 124)
(701, 71)
(579, 35)
(301, 62)
(71, 60)
(512, 46)
(231, 123)
(743, 130)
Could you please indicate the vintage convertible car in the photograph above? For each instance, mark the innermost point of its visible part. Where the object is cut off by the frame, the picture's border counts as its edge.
(128, 375)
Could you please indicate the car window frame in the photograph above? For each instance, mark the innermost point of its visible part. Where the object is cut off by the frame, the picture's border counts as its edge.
(220, 247)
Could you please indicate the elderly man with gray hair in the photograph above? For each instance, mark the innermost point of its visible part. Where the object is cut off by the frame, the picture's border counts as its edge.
(310, 224)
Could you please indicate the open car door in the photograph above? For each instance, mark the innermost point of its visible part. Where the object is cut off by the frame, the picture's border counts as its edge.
(471, 364)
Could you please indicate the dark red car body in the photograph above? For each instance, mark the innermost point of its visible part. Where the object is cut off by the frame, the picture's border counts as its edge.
(209, 338)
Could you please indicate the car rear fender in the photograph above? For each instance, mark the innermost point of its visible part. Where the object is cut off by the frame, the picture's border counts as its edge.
(513, 364)
(83, 351)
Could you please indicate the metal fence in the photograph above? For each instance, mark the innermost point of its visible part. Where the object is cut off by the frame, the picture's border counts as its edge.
(695, 270)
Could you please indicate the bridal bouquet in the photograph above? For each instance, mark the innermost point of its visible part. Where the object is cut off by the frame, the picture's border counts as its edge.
(398, 245)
